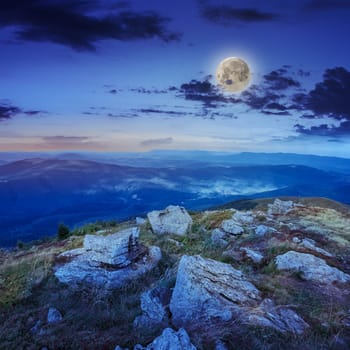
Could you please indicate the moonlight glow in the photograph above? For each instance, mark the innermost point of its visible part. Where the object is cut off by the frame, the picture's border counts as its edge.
(233, 74)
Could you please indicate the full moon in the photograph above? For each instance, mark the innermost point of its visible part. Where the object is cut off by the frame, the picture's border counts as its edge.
(233, 74)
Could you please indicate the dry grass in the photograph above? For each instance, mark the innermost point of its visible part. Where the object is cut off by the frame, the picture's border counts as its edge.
(23, 270)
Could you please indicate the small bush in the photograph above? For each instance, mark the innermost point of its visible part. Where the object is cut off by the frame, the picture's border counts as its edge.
(62, 231)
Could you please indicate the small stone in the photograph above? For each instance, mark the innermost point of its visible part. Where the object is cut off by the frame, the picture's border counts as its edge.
(140, 221)
(220, 345)
(218, 238)
(230, 226)
(296, 240)
(172, 340)
(310, 244)
(53, 315)
(154, 305)
(262, 230)
(253, 255)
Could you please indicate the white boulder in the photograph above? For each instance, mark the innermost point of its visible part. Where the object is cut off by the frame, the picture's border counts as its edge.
(279, 207)
(232, 227)
(311, 267)
(173, 220)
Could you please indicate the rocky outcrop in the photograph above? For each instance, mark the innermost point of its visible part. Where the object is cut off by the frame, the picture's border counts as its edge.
(279, 207)
(107, 261)
(117, 250)
(209, 291)
(173, 220)
(311, 267)
(155, 309)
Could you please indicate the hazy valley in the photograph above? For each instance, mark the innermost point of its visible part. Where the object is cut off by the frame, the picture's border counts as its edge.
(39, 192)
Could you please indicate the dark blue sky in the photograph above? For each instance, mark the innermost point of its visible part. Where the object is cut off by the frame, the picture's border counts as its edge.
(137, 75)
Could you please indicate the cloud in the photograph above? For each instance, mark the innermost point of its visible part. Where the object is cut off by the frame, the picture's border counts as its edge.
(269, 97)
(329, 97)
(157, 142)
(75, 23)
(142, 90)
(325, 129)
(54, 139)
(8, 111)
(67, 142)
(205, 92)
(160, 111)
(277, 80)
(226, 14)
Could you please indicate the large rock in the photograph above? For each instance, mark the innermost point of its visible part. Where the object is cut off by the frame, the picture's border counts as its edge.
(311, 267)
(279, 207)
(208, 291)
(232, 227)
(155, 309)
(172, 220)
(118, 249)
(109, 262)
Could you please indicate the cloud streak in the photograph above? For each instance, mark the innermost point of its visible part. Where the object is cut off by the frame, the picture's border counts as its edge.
(226, 14)
(71, 23)
(157, 142)
(8, 111)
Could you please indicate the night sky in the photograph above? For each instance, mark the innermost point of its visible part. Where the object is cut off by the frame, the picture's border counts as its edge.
(139, 75)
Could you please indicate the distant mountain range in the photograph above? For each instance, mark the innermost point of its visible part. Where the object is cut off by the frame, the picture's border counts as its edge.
(165, 158)
(38, 193)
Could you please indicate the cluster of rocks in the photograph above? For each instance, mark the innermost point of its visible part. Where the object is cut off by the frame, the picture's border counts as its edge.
(244, 222)
(207, 292)
(231, 227)
(107, 261)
